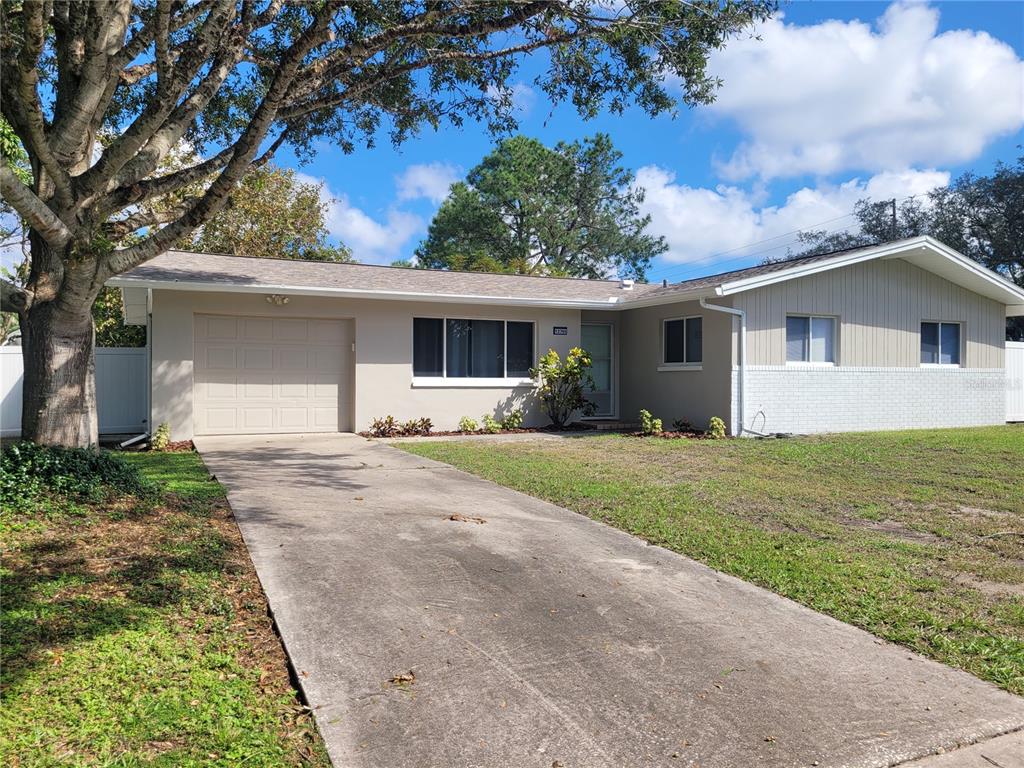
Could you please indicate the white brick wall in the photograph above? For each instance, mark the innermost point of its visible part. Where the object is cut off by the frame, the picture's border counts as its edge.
(846, 399)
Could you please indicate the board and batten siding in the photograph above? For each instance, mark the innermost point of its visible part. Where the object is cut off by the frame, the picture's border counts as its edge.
(880, 306)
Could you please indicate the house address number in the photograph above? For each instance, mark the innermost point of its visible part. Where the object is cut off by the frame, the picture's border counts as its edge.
(560, 330)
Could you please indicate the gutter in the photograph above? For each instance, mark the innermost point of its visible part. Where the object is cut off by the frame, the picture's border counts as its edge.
(612, 302)
(737, 429)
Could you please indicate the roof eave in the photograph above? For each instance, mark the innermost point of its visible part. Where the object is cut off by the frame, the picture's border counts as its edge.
(362, 293)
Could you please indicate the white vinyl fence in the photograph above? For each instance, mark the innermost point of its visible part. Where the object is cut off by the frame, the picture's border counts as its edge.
(1015, 381)
(120, 391)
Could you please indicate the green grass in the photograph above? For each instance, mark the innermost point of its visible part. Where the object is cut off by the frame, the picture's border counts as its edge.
(135, 633)
(915, 536)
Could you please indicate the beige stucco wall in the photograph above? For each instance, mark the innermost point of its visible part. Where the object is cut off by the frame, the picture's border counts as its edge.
(880, 306)
(381, 366)
(692, 395)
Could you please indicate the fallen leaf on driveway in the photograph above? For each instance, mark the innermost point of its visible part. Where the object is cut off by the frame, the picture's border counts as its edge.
(466, 519)
(403, 678)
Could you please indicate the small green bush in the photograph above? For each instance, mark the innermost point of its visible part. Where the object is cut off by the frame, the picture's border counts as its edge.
(513, 420)
(161, 438)
(30, 473)
(562, 386)
(467, 424)
(385, 427)
(491, 425)
(648, 424)
(716, 428)
(682, 425)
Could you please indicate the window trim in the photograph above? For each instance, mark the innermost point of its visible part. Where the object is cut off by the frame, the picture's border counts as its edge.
(834, 362)
(468, 382)
(681, 366)
(961, 343)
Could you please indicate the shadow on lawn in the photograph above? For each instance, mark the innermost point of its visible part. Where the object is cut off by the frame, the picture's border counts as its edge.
(113, 575)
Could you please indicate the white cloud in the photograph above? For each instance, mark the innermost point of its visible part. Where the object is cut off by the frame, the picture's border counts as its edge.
(839, 95)
(371, 240)
(427, 180)
(698, 222)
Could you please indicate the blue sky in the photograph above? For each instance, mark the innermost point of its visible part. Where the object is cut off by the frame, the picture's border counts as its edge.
(836, 101)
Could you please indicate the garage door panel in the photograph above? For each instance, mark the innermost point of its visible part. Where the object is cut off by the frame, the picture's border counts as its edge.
(224, 419)
(218, 328)
(265, 375)
(325, 359)
(294, 390)
(258, 358)
(256, 419)
(258, 329)
(221, 357)
(258, 387)
(291, 330)
(326, 332)
(221, 390)
(292, 359)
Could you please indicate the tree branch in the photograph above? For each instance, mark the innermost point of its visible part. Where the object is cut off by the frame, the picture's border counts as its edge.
(244, 149)
(33, 210)
(13, 298)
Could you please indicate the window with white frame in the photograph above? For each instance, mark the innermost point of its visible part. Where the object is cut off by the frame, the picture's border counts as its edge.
(471, 349)
(810, 339)
(682, 341)
(940, 343)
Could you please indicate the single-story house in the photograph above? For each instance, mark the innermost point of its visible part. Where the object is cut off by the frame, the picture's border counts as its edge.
(899, 335)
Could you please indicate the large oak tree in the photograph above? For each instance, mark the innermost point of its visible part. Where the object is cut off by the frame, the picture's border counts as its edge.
(241, 78)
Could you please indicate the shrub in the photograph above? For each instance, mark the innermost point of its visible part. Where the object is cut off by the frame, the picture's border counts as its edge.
(648, 424)
(161, 438)
(467, 424)
(29, 472)
(491, 425)
(562, 385)
(416, 427)
(682, 425)
(386, 427)
(716, 428)
(513, 420)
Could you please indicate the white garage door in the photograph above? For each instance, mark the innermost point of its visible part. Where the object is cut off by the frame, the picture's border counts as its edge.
(261, 375)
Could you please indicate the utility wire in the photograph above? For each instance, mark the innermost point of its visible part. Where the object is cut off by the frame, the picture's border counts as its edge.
(711, 261)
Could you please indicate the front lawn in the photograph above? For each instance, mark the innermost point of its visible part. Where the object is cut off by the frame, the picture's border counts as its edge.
(915, 536)
(135, 631)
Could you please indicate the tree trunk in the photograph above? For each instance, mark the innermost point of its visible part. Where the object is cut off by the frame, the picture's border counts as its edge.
(57, 337)
(59, 389)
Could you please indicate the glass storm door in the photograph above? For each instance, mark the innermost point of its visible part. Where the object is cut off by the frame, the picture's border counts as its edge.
(597, 340)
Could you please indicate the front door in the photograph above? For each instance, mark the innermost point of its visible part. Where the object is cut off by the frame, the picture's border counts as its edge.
(596, 338)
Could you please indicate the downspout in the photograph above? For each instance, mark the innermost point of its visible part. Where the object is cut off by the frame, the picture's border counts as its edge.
(737, 430)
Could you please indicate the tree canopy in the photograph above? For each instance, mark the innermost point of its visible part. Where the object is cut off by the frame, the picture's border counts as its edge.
(270, 214)
(240, 79)
(980, 216)
(571, 211)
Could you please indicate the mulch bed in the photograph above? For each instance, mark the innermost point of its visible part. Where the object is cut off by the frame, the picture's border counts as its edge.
(456, 432)
(686, 435)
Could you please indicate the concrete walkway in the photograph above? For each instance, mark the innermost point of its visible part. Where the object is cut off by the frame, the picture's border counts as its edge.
(541, 638)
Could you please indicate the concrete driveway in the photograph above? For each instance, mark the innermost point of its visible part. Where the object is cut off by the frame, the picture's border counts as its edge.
(542, 638)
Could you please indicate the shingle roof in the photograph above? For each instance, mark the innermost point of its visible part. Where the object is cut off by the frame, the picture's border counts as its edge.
(201, 271)
(709, 282)
(252, 273)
